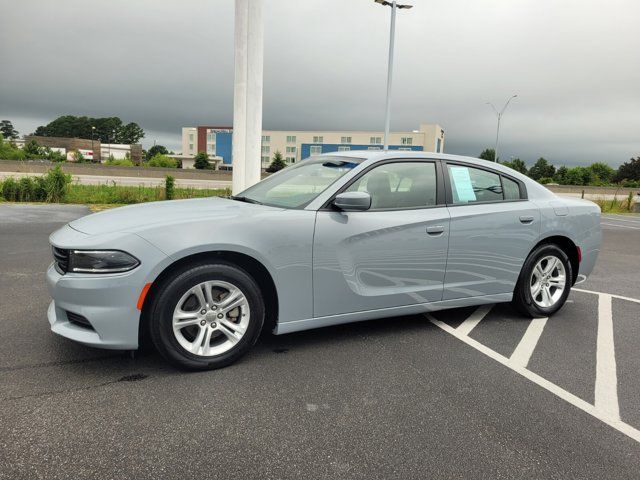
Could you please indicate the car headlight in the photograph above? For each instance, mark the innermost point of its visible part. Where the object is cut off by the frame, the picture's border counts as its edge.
(101, 261)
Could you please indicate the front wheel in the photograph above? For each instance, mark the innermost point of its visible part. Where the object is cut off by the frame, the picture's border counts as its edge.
(544, 283)
(207, 316)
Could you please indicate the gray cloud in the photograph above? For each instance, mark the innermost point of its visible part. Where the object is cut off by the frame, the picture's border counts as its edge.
(167, 64)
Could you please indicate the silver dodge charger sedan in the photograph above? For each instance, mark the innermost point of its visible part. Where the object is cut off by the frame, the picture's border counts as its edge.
(336, 238)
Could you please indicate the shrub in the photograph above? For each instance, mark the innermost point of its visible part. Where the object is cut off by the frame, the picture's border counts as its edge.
(120, 162)
(56, 184)
(26, 190)
(162, 161)
(169, 187)
(10, 189)
(201, 161)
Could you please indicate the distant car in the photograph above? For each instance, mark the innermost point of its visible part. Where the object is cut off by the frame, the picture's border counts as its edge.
(333, 239)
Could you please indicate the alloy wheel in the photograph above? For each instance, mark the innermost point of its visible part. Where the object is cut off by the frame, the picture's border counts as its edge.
(548, 281)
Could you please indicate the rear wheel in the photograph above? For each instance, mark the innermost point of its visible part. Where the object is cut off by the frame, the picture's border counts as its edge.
(544, 283)
(207, 316)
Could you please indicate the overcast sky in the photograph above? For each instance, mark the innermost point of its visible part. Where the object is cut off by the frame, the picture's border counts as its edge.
(575, 65)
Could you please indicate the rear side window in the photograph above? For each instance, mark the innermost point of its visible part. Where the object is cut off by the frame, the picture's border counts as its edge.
(471, 185)
(511, 189)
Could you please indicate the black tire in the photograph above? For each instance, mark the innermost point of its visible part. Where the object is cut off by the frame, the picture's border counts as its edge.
(161, 314)
(522, 296)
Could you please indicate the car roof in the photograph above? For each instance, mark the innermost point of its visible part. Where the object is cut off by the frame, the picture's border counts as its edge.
(372, 156)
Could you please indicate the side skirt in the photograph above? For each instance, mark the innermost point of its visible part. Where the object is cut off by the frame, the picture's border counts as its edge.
(308, 324)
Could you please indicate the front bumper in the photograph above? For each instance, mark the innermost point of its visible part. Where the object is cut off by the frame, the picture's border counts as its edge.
(108, 301)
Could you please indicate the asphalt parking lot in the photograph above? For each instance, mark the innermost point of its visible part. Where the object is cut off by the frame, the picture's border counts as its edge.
(467, 393)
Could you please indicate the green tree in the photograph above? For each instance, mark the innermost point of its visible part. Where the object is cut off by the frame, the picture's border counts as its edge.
(488, 154)
(108, 129)
(7, 130)
(602, 172)
(155, 150)
(629, 170)
(517, 164)
(561, 175)
(33, 150)
(579, 176)
(542, 169)
(277, 163)
(201, 161)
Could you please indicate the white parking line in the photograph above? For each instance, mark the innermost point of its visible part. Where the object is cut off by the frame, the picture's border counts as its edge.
(606, 397)
(474, 319)
(619, 226)
(613, 295)
(522, 354)
(542, 382)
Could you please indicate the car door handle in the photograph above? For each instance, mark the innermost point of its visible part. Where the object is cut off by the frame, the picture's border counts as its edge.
(526, 219)
(435, 230)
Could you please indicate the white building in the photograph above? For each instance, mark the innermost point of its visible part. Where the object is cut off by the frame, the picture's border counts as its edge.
(296, 145)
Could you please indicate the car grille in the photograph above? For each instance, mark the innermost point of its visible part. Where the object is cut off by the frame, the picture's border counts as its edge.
(79, 320)
(61, 259)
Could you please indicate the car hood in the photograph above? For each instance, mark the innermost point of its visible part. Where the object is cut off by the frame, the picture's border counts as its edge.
(136, 218)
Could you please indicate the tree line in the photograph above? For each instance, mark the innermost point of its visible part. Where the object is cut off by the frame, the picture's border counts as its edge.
(596, 174)
(105, 130)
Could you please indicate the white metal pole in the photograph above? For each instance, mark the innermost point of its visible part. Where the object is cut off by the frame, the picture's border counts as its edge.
(495, 150)
(247, 94)
(387, 116)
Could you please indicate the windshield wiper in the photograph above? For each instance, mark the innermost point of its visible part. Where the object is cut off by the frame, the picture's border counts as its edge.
(245, 199)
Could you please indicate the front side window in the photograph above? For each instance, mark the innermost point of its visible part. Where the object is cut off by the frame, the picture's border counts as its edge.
(296, 186)
(472, 185)
(399, 185)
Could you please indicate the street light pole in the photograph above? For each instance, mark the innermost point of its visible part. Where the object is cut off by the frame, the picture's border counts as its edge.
(499, 115)
(392, 33)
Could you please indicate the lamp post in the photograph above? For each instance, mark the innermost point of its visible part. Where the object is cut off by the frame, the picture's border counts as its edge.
(387, 116)
(499, 115)
(93, 129)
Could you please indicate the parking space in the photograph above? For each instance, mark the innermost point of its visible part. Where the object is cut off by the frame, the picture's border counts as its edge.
(474, 392)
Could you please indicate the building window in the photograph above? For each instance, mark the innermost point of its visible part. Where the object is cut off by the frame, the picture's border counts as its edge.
(265, 149)
(211, 137)
(291, 149)
(266, 138)
(439, 146)
(191, 147)
(265, 159)
(211, 149)
(345, 140)
(344, 149)
(191, 137)
(375, 140)
(406, 141)
(315, 150)
(291, 159)
(319, 139)
(291, 139)
(373, 148)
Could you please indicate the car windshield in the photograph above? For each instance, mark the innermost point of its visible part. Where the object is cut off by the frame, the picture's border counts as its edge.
(296, 186)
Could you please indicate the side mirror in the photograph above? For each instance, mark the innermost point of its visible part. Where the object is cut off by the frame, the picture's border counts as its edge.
(352, 201)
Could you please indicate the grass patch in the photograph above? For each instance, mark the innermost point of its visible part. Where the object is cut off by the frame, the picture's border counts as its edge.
(122, 195)
(615, 206)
